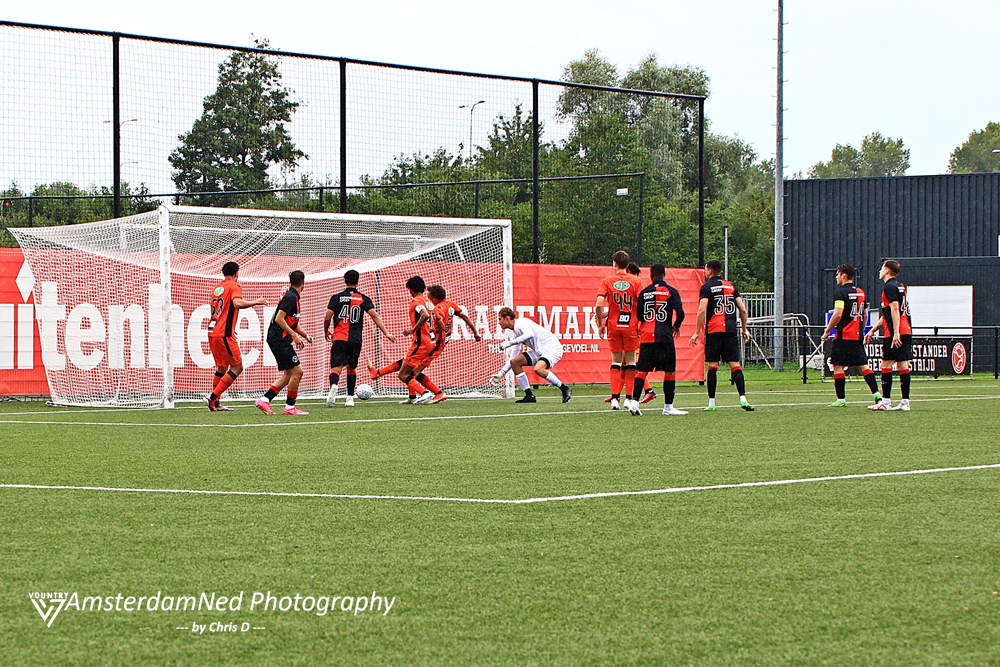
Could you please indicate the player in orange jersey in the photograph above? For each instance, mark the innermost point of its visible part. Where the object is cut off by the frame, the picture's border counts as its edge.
(227, 298)
(620, 292)
(443, 315)
(419, 311)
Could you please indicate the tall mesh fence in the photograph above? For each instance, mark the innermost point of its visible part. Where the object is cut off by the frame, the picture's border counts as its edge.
(616, 169)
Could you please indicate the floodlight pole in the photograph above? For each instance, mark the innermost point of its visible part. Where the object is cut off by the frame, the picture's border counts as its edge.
(779, 204)
(471, 108)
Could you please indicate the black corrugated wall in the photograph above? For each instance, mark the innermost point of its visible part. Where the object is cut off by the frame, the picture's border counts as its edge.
(863, 220)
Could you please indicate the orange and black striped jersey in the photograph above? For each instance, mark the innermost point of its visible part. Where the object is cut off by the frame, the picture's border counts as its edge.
(421, 304)
(223, 320)
(444, 313)
(621, 295)
(895, 291)
(348, 308)
(722, 311)
(850, 299)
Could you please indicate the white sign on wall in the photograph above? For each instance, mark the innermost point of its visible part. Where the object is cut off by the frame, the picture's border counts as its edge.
(948, 307)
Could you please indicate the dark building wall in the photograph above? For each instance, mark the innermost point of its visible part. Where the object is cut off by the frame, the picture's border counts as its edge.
(863, 220)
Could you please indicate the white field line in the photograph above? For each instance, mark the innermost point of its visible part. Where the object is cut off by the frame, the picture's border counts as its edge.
(916, 392)
(501, 501)
(282, 424)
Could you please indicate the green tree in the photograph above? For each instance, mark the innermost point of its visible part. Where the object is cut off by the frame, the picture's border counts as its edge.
(879, 156)
(241, 132)
(976, 155)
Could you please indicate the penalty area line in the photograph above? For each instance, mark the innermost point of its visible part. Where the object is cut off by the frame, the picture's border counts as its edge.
(503, 501)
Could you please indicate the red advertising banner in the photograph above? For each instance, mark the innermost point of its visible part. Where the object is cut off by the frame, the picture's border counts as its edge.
(21, 371)
(559, 297)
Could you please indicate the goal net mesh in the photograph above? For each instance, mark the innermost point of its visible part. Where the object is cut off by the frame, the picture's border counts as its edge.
(107, 337)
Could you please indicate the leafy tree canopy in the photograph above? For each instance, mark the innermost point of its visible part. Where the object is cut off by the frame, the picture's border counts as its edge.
(241, 132)
(879, 156)
(976, 155)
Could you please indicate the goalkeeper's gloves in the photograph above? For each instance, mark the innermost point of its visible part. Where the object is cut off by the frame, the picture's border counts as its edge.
(496, 379)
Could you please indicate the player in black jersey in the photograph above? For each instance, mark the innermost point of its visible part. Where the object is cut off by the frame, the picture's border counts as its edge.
(719, 304)
(896, 337)
(658, 306)
(345, 311)
(284, 332)
(849, 314)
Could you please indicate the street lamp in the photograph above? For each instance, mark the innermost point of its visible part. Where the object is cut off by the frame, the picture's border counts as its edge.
(471, 108)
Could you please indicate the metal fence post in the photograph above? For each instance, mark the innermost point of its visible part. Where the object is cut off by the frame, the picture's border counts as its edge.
(701, 182)
(343, 136)
(642, 193)
(535, 139)
(31, 211)
(802, 343)
(116, 128)
(321, 193)
(996, 357)
(476, 214)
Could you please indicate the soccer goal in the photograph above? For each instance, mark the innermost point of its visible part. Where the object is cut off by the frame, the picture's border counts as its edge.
(122, 306)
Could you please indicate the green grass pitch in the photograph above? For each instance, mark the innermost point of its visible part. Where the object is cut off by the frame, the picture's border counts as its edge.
(377, 501)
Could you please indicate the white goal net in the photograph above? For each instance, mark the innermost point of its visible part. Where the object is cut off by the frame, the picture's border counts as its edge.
(123, 305)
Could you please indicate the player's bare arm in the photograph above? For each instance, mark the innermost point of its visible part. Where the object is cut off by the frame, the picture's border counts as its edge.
(301, 332)
(243, 303)
(381, 327)
(420, 322)
(599, 315)
(896, 337)
(279, 319)
(699, 321)
(834, 321)
(874, 330)
(472, 325)
(742, 308)
(327, 318)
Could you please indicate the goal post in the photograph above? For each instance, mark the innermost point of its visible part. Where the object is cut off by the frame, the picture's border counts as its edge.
(122, 305)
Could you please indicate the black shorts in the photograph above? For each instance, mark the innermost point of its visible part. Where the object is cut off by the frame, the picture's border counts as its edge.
(345, 353)
(284, 353)
(723, 347)
(657, 357)
(902, 353)
(848, 353)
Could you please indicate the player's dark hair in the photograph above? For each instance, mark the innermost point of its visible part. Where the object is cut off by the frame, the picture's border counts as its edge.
(296, 278)
(351, 277)
(230, 268)
(621, 259)
(715, 266)
(506, 312)
(416, 284)
(657, 271)
(892, 265)
(847, 270)
(436, 292)
(633, 268)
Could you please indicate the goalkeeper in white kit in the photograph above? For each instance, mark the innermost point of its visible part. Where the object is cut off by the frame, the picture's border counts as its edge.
(539, 348)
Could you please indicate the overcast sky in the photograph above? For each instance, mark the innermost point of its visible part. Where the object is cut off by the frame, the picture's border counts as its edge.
(920, 70)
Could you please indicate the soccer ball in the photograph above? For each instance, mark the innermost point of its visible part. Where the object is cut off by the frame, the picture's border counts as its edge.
(364, 391)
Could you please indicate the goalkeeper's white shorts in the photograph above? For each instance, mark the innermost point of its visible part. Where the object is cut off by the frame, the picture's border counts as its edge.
(551, 353)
